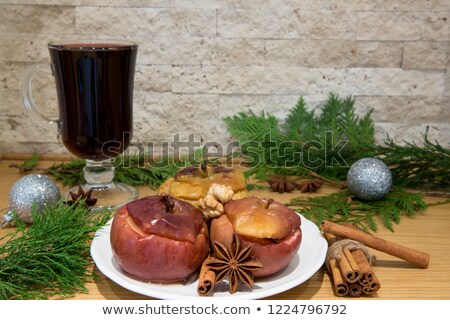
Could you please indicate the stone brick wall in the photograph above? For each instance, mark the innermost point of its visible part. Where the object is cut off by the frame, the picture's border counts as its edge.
(202, 60)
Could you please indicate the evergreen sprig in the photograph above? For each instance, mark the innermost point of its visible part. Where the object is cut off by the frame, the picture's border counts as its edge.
(329, 143)
(426, 167)
(51, 257)
(341, 207)
(132, 170)
(325, 144)
(135, 170)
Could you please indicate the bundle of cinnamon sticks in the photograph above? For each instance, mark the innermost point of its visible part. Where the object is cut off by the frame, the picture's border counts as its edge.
(351, 272)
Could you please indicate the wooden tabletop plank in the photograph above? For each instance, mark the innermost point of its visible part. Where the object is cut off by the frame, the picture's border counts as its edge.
(428, 232)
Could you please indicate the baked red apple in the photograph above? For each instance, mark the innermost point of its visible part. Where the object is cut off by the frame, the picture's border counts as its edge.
(159, 239)
(269, 227)
(193, 182)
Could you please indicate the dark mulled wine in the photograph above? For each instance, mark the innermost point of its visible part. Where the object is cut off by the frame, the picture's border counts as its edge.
(95, 95)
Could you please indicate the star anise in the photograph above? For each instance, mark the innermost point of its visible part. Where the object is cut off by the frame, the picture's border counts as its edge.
(310, 185)
(282, 184)
(234, 262)
(89, 201)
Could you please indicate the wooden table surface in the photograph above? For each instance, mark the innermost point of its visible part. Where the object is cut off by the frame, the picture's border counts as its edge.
(428, 232)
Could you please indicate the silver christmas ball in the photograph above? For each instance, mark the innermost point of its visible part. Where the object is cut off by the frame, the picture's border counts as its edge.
(33, 189)
(369, 179)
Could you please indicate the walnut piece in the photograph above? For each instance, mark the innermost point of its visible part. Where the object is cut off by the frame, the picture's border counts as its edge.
(212, 204)
(221, 192)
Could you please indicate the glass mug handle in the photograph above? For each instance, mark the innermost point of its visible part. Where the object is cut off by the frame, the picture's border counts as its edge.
(25, 88)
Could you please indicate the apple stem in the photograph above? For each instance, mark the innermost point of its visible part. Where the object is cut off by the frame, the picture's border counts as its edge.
(204, 168)
(169, 204)
(264, 204)
(269, 202)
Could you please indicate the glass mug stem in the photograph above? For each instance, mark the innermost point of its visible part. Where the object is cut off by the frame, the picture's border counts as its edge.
(99, 174)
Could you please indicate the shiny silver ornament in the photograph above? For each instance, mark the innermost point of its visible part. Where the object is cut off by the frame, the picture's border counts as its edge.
(369, 179)
(33, 189)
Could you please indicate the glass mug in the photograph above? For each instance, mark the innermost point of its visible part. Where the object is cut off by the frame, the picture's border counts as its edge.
(94, 85)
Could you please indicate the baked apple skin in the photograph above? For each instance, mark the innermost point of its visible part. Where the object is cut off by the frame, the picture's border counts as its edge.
(249, 218)
(159, 239)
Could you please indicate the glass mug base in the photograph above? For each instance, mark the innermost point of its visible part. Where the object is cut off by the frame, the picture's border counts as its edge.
(112, 196)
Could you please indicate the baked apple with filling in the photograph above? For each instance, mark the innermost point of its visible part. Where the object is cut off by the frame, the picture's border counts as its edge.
(159, 239)
(192, 183)
(269, 227)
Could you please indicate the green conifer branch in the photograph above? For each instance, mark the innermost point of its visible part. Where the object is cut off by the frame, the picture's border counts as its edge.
(342, 207)
(51, 257)
(331, 142)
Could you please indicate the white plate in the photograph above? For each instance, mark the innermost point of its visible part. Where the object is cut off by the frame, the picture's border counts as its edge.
(308, 260)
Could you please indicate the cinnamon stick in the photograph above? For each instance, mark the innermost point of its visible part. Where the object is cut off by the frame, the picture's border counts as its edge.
(413, 256)
(340, 286)
(369, 281)
(347, 272)
(206, 278)
(364, 266)
(331, 238)
(353, 274)
(355, 290)
(371, 287)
